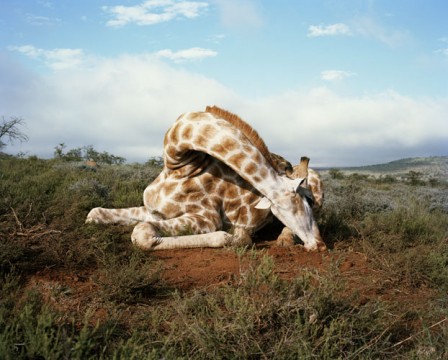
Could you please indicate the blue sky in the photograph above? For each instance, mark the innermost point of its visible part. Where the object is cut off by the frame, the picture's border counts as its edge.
(344, 82)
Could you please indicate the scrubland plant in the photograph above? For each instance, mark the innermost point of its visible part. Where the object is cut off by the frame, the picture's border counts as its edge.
(31, 330)
(127, 277)
(405, 224)
(401, 228)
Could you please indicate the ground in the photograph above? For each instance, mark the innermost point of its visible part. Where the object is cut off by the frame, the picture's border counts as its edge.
(187, 270)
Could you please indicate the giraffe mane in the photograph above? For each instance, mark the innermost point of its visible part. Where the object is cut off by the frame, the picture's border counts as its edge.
(248, 131)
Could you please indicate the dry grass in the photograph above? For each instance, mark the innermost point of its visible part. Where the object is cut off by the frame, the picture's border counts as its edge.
(113, 303)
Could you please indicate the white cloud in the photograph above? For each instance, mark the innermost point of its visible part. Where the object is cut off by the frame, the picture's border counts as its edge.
(191, 54)
(365, 27)
(328, 30)
(340, 130)
(216, 39)
(240, 13)
(442, 51)
(369, 28)
(46, 4)
(124, 105)
(334, 75)
(60, 59)
(38, 20)
(57, 59)
(154, 11)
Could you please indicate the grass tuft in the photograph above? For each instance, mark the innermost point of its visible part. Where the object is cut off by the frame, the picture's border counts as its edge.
(102, 298)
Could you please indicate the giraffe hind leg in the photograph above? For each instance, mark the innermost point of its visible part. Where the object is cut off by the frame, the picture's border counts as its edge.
(187, 231)
(146, 237)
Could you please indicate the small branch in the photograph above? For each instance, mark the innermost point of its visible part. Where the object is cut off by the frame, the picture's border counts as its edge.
(17, 219)
(414, 335)
(36, 235)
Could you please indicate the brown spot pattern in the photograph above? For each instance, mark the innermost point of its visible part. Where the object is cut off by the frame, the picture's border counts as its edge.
(187, 132)
(201, 141)
(218, 148)
(229, 144)
(208, 131)
(196, 115)
(237, 160)
(168, 188)
(263, 173)
(174, 134)
(251, 168)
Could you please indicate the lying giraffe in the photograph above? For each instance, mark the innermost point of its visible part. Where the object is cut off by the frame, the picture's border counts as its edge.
(218, 185)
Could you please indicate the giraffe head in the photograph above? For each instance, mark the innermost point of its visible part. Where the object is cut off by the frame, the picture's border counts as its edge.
(291, 207)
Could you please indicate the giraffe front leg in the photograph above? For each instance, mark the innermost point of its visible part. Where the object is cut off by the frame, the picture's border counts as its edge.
(146, 237)
(129, 216)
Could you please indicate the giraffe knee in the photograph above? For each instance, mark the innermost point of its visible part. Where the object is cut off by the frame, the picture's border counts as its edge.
(94, 216)
(145, 236)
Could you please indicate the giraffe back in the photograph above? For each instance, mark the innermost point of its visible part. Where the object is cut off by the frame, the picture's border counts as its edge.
(245, 128)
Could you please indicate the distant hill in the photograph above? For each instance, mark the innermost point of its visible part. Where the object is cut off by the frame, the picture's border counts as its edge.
(434, 166)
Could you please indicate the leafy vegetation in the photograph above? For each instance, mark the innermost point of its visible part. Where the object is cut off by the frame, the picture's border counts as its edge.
(86, 153)
(71, 290)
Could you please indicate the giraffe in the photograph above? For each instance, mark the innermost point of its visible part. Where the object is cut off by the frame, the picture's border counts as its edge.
(217, 187)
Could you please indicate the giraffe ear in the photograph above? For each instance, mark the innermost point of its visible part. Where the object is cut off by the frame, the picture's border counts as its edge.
(263, 204)
(297, 183)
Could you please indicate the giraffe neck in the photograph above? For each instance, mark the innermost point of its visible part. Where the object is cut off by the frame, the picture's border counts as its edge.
(203, 132)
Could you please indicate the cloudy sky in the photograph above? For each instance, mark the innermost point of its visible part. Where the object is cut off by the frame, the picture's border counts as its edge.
(345, 82)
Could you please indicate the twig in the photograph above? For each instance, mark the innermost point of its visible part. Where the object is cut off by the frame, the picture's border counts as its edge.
(32, 233)
(17, 219)
(371, 342)
(414, 335)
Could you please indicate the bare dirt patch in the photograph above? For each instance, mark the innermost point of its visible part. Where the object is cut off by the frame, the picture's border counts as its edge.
(189, 269)
(199, 269)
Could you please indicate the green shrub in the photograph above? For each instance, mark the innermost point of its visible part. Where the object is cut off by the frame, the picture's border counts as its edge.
(127, 277)
(129, 313)
(336, 174)
(34, 333)
(404, 227)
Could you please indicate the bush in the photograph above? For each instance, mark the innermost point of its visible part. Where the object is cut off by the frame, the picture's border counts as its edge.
(336, 174)
(71, 290)
(127, 278)
(87, 153)
(32, 331)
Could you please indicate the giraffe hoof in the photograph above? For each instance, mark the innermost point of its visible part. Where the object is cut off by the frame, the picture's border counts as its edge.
(285, 241)
(322, 247)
